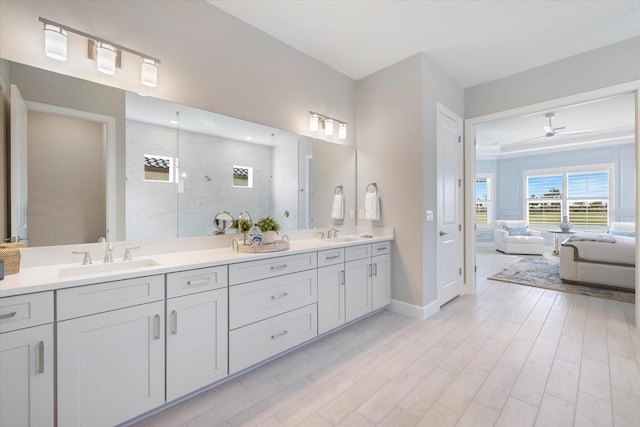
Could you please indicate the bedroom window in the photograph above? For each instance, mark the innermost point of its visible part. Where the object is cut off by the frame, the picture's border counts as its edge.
(484, 204)
(581, 193)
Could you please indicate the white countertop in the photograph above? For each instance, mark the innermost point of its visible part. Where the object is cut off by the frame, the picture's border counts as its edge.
(47, 277)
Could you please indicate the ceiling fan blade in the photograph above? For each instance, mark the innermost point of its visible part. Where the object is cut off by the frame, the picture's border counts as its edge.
(574, 132)
(548, 129)
(558, 128)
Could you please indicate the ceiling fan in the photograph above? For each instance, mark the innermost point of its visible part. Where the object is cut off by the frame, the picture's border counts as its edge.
(550, 131)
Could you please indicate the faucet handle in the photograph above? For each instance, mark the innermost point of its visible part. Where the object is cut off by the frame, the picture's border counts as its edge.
(87, 256)
(321, 233)
(127, 253)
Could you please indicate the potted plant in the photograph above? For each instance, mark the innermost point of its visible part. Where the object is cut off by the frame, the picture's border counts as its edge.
(269, 227)
(242, 225)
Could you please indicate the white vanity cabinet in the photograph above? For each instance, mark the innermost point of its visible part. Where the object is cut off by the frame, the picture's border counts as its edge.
(273, 313)
(380, 275)
(196, 330)
(26, 360)
(111, 348)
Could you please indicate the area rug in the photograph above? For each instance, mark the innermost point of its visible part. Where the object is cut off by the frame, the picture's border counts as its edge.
(543, 272)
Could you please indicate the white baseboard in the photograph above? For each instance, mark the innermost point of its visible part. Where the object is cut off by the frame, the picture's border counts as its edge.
(414, 311)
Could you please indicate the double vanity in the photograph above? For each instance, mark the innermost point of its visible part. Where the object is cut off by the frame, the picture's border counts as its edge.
(105, 343)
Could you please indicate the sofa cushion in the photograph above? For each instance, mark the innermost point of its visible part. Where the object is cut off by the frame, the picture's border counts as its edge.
(524, 240)
(516, 231)
(627, 229)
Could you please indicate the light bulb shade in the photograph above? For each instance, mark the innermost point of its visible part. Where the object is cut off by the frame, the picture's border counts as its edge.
(328, 127)
(342, 131)
(313, 122)
(149, 72)
(106, 58)
(55, 42)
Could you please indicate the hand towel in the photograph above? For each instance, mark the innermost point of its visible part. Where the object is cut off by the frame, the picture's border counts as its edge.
(337, 211)
(372, 206)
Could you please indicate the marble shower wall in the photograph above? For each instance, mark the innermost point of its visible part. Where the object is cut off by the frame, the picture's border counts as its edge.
(159, 210)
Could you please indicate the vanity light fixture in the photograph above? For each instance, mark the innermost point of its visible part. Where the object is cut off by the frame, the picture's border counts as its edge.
(328, 127)
(342, 131)
(314, 122)
(108, 55)
(55, 42)
(318, 121)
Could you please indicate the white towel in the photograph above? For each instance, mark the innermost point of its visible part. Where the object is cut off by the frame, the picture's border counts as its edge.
(372, 206)
(337, 211)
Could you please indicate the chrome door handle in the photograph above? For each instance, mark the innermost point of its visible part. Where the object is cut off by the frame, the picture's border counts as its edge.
(375, 269)
(40, 363)
(174, 317)
(156, 327)
(342, 278)
(442, 233)
(281, 334)
(198, 282)
(278, 267)
(282, 295)
(369, 270)
(8, 315)
(332, 257)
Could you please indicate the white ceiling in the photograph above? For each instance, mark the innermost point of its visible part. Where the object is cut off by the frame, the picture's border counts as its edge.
(600, 122)
(473, 41)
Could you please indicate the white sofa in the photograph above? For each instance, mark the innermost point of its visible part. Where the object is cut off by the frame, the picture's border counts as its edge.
(531, 244)
(601, 263)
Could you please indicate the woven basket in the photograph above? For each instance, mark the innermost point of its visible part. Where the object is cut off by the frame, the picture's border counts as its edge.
(277, 246)
(11, 258)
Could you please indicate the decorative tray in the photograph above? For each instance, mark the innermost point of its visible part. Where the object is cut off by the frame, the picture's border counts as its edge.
(276, 246)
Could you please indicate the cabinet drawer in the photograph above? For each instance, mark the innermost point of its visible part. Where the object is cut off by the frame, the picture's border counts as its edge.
(199, 280)
(23, 311)
(357, 252)
(259, 341)
(91, 299)
(254, 301)
(381, 248)
(263, 269)
(330, 257)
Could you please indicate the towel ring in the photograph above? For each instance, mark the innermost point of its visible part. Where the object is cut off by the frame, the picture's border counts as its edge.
(338, 189)
(374, 185)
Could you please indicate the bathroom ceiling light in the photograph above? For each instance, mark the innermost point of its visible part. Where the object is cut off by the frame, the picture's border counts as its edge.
(106, 58)
(342, 131)
(328, 127)
(149, 72)
(55, 42)
(314, 121)
(107, 54)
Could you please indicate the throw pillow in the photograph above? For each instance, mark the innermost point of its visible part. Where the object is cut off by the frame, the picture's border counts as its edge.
(622, 233)
(516, 231)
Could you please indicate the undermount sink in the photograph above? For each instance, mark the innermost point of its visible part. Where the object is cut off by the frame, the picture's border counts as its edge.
(82, 270)
(345, 239)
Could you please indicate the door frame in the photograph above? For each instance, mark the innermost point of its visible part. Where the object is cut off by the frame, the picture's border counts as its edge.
(110, 166)
(470, 170)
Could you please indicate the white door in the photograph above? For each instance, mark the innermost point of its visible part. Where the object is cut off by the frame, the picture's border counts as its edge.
(358, 288)
(196, 341)
(331, 311)
(110, 366)
(381, 281)
(18, 142)
(26, 377)
(450, 235)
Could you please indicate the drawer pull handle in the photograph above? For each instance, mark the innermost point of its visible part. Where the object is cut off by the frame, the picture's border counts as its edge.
(156, 327)
(278, 267)
(198, 282)
(174, 317)
(332, 257)
(282, 295)
(40, 363)
(281, 334)
(8, 315)
(382, 248)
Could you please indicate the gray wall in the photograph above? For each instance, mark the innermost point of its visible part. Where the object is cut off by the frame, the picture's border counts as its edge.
(599, 68)
(210, 60)
(397, 149)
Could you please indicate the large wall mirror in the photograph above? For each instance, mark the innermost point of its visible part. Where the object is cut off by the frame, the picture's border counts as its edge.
(102, 162)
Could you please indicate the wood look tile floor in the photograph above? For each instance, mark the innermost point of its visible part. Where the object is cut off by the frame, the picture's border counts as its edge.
(509, 356)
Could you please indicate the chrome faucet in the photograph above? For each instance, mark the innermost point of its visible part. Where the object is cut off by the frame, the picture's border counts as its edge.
(127, 253)
(321, 233)
(108, 254)
(87, 256)
(335, 234)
